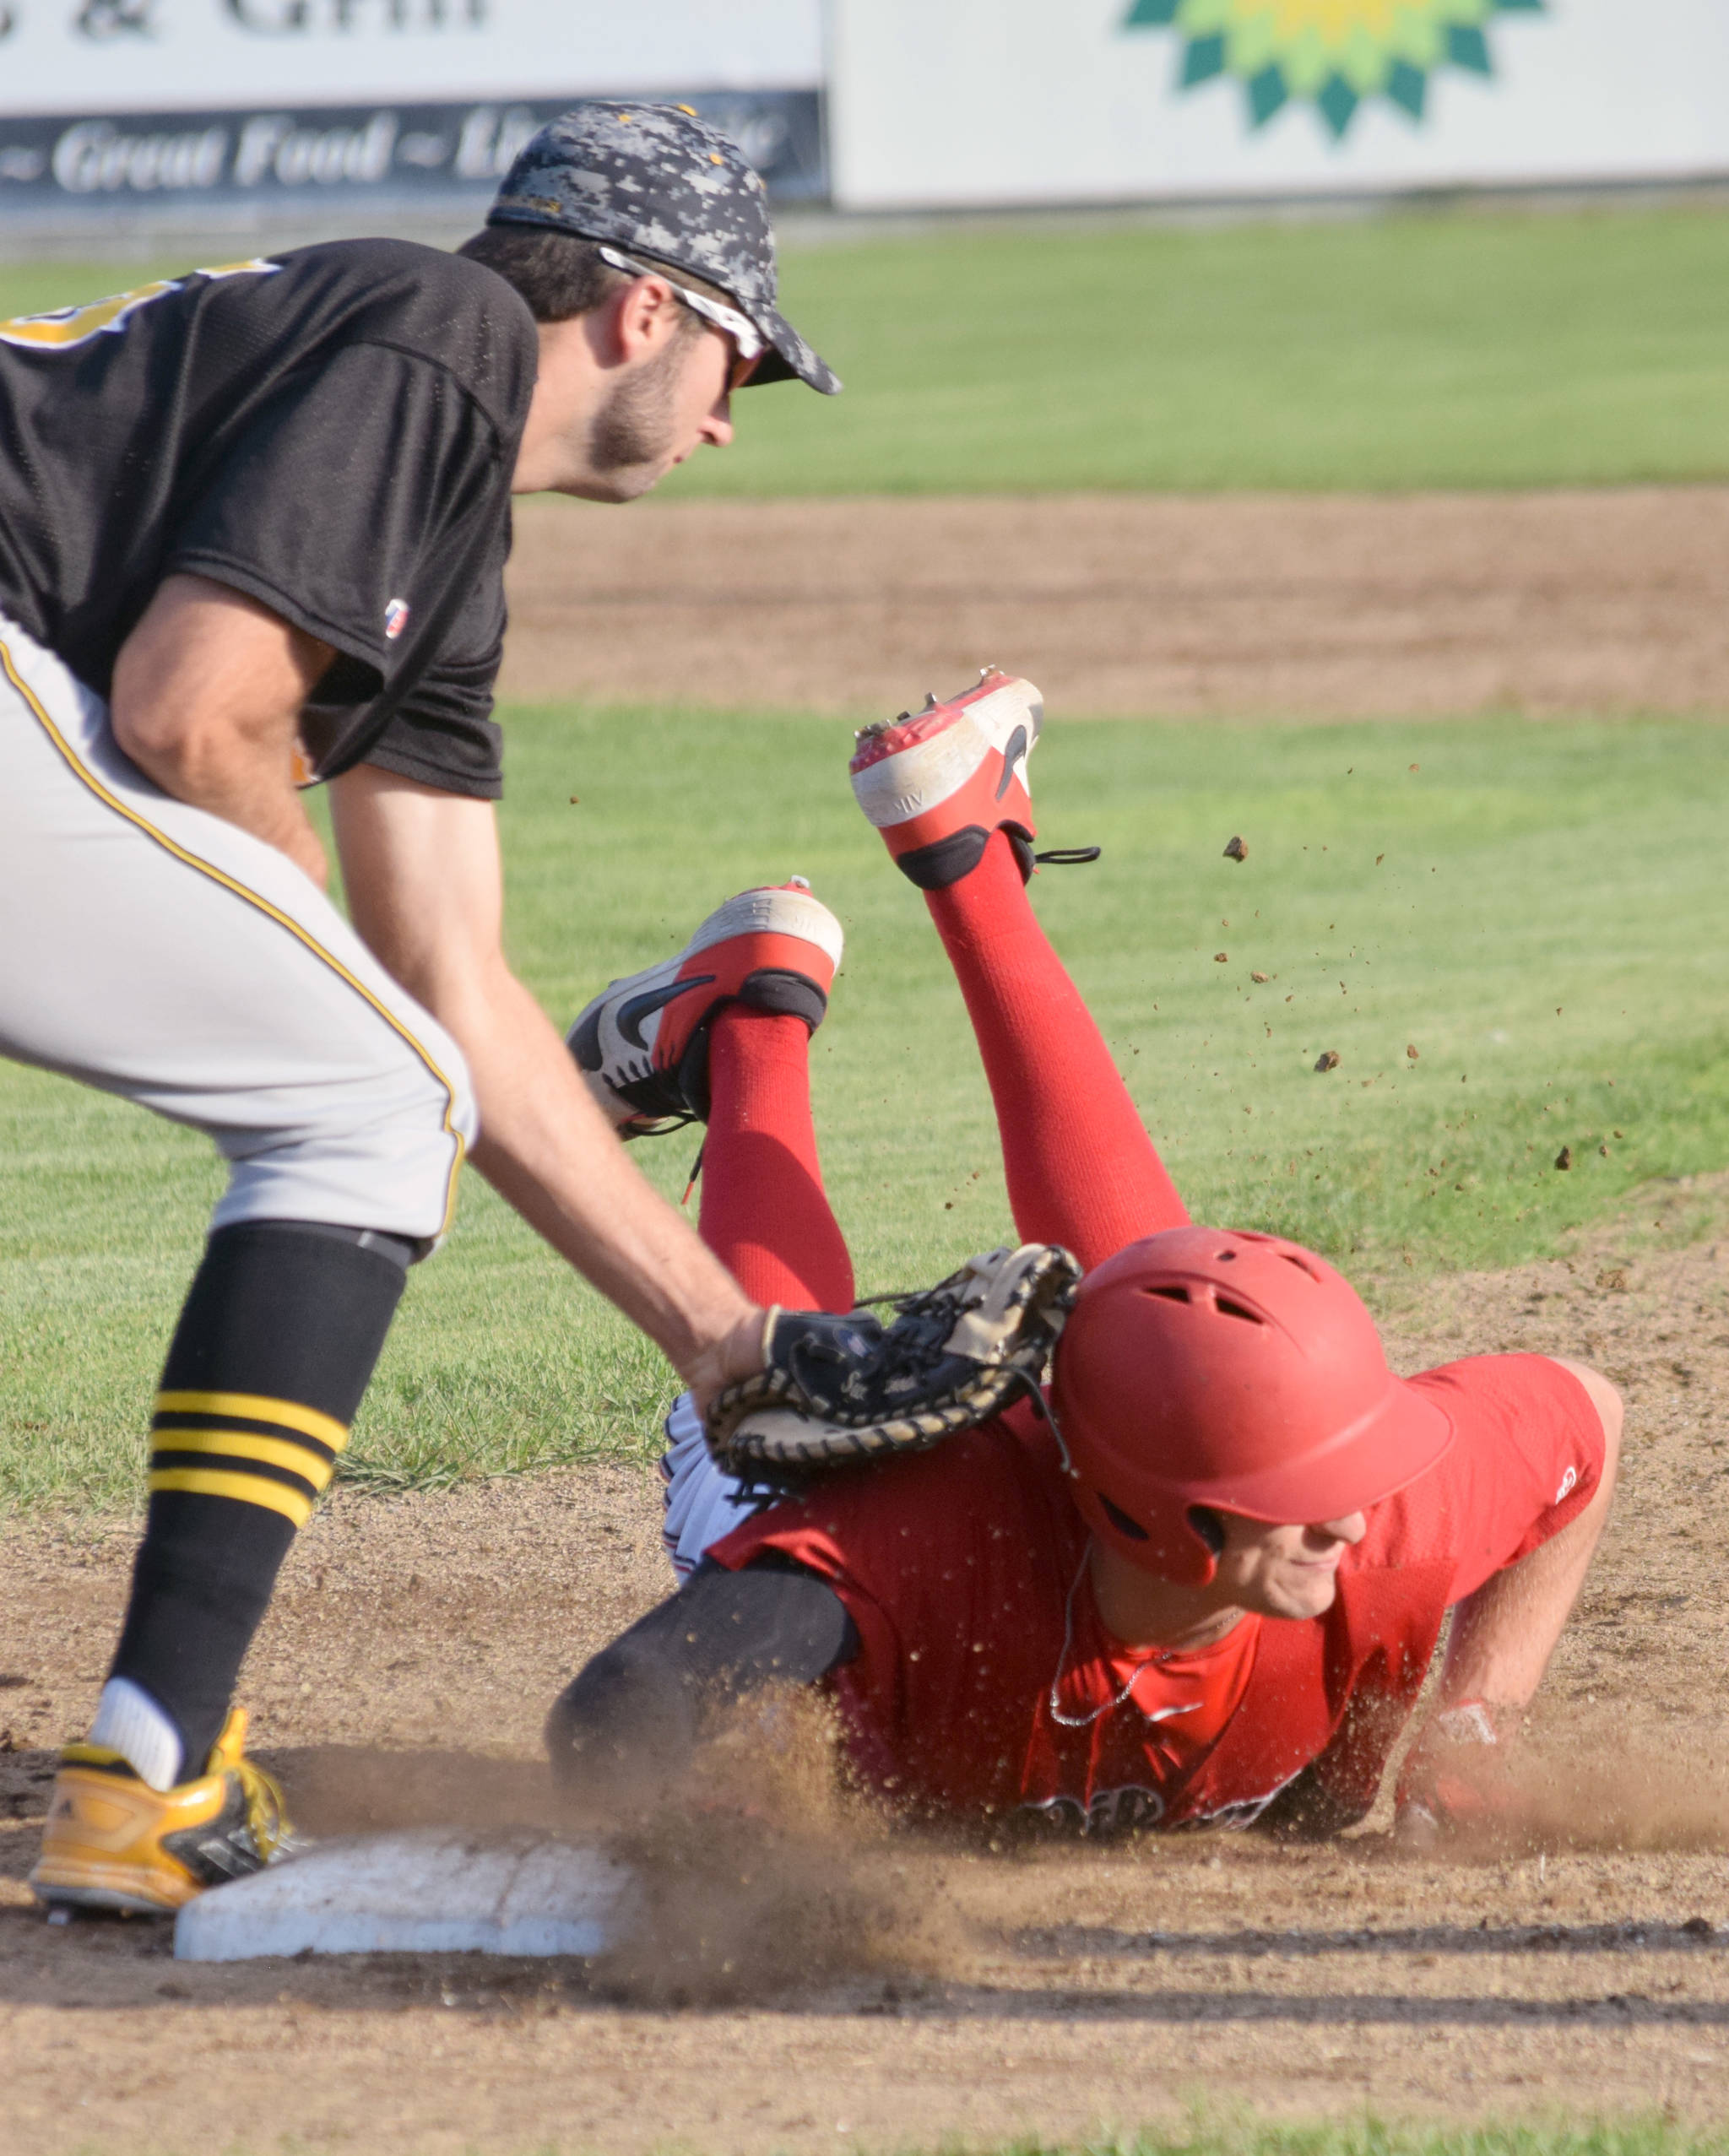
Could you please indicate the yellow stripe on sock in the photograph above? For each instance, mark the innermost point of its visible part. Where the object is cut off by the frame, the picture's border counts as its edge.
(244, 1489)
(241, 1444)
(254, 1407)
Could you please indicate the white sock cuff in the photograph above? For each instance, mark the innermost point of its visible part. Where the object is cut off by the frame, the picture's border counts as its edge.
(129, 1721)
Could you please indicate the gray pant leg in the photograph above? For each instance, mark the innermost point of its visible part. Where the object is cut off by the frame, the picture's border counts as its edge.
(160, 953)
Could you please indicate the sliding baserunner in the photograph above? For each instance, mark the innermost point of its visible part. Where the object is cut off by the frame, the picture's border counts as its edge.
(253, 524)
(1210, 1584)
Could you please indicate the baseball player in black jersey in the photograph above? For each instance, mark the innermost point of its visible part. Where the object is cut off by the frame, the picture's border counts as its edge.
(252, 526)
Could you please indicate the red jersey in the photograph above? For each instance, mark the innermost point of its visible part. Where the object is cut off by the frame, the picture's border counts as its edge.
(986, 1682)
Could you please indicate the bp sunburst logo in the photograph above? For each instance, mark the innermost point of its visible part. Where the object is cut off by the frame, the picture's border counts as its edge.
(1334, 54)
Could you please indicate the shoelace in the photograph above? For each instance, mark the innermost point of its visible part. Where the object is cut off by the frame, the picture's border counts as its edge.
(634, 1073)
(659, 1127)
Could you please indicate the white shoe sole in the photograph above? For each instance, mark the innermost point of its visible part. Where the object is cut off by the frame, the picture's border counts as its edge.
(921, 777)
(780, 913)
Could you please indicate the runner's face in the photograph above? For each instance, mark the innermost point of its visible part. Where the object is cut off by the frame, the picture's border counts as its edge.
(1284, 1572)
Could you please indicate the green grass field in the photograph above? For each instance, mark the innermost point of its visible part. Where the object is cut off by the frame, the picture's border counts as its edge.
(1545, 928)
(1486, 350)
(1506, 350)
(1371, 2137)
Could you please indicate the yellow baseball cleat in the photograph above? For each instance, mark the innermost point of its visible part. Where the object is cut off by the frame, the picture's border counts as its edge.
(113, 1842)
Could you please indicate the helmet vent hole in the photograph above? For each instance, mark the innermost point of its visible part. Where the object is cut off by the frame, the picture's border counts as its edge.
(1227, 1308)
(1171, 1294)
(1290, 1258)
(1121, 1520)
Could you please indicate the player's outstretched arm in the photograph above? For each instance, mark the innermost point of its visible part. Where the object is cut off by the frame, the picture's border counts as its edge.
(628, 1724)
(1499, 1647)
(425, 892)
(207, 698)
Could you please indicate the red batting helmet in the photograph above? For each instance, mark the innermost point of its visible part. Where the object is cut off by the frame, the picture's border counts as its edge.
(1205, 1367)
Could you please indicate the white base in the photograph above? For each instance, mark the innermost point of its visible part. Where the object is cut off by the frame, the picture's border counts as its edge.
(437, 1892)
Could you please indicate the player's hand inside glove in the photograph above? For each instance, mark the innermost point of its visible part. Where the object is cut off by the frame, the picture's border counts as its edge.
(736, 1354)
(838, 1389)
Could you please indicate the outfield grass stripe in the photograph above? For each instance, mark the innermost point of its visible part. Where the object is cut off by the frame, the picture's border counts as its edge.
(1370, 2136)
(1480, 350)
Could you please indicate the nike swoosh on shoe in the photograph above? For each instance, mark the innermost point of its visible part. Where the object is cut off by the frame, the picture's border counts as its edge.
(1014, 749)
(634, 1009)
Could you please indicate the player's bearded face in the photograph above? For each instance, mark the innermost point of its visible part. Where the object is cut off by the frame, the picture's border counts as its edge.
(1285, 1572)
(657, 412)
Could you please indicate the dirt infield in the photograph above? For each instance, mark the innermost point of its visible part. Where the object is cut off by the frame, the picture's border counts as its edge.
(1332, 607)
(942, 1988)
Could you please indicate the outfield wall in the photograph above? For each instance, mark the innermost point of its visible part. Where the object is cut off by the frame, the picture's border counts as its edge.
(120, 109)
(235, 105)
(975, 103)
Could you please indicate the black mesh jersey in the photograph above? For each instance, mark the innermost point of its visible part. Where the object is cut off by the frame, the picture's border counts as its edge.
(332, 432)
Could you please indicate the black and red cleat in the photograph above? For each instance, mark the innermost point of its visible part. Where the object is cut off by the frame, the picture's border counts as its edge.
(643, 1043)
(937, 782)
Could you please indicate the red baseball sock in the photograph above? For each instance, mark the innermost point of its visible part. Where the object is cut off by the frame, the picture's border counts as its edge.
(1082, 1170)
(764, 1213)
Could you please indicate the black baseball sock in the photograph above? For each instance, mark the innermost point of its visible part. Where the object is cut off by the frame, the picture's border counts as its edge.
(272, 1354)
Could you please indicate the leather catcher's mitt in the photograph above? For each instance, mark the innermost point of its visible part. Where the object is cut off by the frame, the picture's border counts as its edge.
(837, 1390)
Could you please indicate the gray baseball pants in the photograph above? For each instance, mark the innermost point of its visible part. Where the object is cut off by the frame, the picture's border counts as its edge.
(162, 954)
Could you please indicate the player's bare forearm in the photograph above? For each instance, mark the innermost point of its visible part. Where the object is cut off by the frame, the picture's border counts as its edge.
(206, 695)
(1457, 1772)
(422, 873)
(546, 1147)
(1502, 1635)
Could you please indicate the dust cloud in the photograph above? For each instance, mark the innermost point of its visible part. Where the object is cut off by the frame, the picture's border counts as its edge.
(763, 1875)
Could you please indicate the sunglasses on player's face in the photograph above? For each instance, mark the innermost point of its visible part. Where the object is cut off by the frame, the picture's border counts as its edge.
(747, 339)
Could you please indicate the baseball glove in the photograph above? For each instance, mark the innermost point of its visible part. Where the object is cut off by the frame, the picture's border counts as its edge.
(837, 1390)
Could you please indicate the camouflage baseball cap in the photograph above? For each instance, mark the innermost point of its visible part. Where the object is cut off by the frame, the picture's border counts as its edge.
(657, 181)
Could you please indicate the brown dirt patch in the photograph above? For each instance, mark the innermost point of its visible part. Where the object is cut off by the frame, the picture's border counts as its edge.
(895, 1989)
(1329, 607)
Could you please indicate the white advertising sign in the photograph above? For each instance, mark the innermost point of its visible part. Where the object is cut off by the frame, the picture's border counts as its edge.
(974, 102)
(127, 103)
(140, 55)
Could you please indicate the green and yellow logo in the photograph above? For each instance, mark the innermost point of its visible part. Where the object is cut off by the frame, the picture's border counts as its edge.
(1331, 53)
